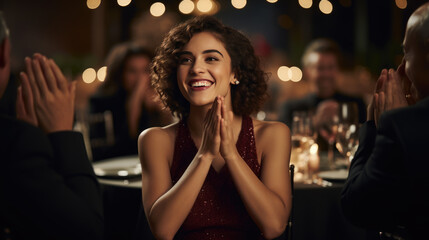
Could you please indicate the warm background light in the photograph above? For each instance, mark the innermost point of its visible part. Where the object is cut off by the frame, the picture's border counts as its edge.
(305, 3)
(124, 3)
(101, 73)
(157, 9)
(93, 4)
(239, 4)
(402, 4)
(186, 6)
(272, 1)
(89, 75)
(295, 74)
(282, 73)
(325, 6)
(204, 5)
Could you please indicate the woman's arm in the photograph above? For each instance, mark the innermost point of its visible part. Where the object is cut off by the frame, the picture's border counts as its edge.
(268, 200)
(167, 206)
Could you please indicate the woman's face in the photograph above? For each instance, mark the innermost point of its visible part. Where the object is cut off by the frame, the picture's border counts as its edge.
(136, 70)
(204, 70)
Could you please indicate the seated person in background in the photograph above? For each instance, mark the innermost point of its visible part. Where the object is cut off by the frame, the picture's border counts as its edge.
(48, 187)
(386, 189)
(127, 94)
(218, 173)
(321, 67)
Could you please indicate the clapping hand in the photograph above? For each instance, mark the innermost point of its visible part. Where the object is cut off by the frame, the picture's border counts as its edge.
(46, 98)
(389, 94)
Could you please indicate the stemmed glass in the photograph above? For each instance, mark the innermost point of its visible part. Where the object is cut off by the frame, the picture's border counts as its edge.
(347, 138)
(303, 141)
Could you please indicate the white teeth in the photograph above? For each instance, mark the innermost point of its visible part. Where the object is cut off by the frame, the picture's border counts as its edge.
(201, 84)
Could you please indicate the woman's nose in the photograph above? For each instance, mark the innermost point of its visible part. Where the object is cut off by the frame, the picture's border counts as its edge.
(197, 67)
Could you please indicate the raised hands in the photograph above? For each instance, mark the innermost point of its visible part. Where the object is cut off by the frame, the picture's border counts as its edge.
(218, 135)
(46, 98)
(389, 94)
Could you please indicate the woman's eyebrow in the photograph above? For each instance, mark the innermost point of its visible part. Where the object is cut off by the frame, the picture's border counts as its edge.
(204, 52)
(212, 50)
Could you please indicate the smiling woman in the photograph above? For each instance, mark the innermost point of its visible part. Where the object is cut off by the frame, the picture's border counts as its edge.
(217, 173)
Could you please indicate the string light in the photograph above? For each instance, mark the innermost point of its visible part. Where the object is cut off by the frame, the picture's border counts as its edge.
(282, 73)
(402, 4)
(101, 73)
(124, 3)
(295, 74)
(325, 6)
(204, 5)
(305, 3)
(89, 75)
(157, 9)
(186, 6)
(239, 4)
(93, 4)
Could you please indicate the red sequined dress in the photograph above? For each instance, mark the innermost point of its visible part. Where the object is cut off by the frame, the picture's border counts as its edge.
(218, 212)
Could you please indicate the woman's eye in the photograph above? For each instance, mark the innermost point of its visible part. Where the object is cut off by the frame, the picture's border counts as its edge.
(184, 60)
(210, 59)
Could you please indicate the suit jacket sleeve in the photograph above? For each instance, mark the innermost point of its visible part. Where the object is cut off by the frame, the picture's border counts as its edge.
(372, 192)
(51, 186)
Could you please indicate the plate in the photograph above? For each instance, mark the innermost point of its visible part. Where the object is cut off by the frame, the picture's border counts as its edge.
(118, 168)
(334, 175)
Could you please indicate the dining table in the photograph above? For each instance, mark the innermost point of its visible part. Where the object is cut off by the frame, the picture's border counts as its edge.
(316, 205)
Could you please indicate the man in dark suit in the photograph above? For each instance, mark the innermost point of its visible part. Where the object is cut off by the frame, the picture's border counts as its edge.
(47, 185)
(388, 182)
(320, 63)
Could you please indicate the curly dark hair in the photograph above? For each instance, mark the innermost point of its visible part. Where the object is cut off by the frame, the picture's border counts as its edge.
(247, 97)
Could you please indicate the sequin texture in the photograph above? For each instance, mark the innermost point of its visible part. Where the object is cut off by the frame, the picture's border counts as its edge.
(218, 212)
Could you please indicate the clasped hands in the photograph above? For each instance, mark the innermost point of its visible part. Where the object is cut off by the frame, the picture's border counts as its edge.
(218, 134)
(45, 98)
(392, 91)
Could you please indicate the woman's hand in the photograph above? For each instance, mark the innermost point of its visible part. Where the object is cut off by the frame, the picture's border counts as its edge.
(53, 95)
(211, 138)
(228, 149)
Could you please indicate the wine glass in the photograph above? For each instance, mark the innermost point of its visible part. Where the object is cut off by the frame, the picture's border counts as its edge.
(326, 121)
(303, 144)
(347, 138)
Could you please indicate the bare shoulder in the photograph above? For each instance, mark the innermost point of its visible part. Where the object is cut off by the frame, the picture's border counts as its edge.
(159, 140)
(270, 129)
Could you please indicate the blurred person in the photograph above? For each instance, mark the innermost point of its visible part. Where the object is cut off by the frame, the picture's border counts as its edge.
(127, 94)
(321, 66)
(386, 190)
(218, 173)
(48, 187)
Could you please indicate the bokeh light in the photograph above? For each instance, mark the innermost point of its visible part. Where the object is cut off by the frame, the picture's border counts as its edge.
(272, 1)
(124, 3)
(239, 4)
(101, 73)
(89, 75)
(282, 73)
(402, 4)
(204, 5)
(305, 3)
(93, 4)
(325, 6)
(186, 6)
(295, 74)
(157, 9)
